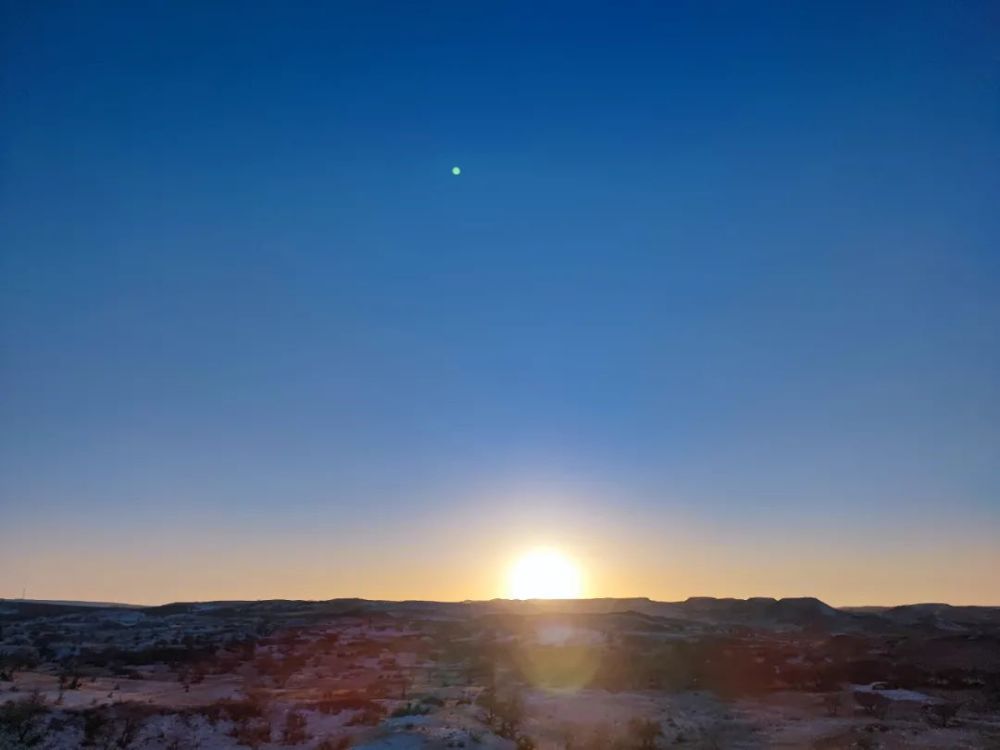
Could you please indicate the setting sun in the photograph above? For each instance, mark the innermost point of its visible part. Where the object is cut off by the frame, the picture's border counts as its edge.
(544, 574)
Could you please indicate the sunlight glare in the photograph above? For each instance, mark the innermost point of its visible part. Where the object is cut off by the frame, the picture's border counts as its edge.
(544, 574)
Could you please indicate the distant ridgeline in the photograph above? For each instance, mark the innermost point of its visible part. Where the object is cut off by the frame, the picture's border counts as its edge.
(759, 612)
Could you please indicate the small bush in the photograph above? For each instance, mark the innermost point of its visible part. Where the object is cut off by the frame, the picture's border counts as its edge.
(22, 722)
(234, 710)
(253, 732)
(294, 732)
(333, 706)
(872, 703)
(833, 703)
(118, 727)
(940, 714)
(410, 709)
(368, 716)
(643, 733)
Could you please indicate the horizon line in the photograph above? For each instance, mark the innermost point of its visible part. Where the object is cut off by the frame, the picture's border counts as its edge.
(138, 605)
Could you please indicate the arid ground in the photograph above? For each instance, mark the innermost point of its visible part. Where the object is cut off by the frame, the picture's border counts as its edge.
(566, 675)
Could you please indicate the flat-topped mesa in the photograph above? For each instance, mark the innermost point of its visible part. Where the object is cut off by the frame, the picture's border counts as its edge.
(759, 609)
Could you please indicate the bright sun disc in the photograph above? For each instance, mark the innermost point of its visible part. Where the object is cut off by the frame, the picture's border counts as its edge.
(544, 574)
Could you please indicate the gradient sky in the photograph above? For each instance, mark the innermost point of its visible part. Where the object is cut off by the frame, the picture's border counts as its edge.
(714, 306)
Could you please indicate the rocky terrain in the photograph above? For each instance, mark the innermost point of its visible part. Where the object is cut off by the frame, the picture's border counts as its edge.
(568, 675)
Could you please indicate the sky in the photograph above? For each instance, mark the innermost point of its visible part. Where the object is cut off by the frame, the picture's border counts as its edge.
(713, 306)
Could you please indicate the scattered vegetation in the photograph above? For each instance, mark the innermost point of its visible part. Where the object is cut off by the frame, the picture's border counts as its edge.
(282, 667)
(23, 722)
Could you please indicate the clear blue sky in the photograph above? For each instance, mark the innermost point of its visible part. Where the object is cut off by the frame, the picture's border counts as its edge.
(723, 275)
